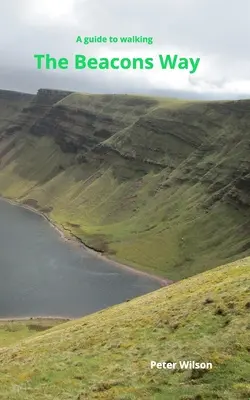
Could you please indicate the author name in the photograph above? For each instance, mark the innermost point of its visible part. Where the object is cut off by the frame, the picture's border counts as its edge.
(181, 365)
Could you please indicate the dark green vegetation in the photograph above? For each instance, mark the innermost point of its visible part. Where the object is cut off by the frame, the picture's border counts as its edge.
(160, 184)
(107, 355)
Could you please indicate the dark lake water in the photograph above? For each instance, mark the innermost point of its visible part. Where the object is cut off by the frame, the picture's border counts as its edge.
(42, 275)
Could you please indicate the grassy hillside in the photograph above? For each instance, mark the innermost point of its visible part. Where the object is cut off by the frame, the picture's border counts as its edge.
(12, 331)
(107, 355)
(160, 184)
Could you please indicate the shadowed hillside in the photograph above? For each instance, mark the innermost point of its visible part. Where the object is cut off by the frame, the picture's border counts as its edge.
(160, 184)
(11, 104)
(107, 355)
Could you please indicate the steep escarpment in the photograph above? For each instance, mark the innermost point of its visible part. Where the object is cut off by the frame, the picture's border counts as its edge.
(222, 162)
(11, 104)
(160, 184)
(31, 110)
(78, 126)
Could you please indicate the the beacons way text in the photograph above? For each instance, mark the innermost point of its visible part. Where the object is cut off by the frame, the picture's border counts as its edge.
(80, 62)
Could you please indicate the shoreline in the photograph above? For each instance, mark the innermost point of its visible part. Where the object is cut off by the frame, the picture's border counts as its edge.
(36, 319)
(73, 239)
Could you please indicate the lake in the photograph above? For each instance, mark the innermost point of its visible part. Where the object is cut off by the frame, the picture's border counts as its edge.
(42, 275)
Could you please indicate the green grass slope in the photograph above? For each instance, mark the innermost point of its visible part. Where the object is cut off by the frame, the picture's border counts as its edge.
(12, 331)
(160, 184)
(107, 355)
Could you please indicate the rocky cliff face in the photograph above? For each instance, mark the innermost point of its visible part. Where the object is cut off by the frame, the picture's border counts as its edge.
(160, 183)
(11, 104)
(31, 108)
